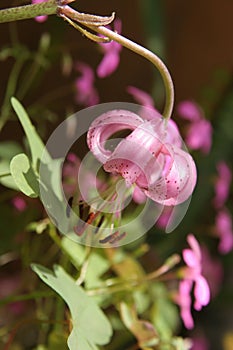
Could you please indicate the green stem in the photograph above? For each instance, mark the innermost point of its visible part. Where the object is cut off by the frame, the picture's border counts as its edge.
(142, 51)
(136, 282)
(28, 11)
(10, 91)
(70, 14)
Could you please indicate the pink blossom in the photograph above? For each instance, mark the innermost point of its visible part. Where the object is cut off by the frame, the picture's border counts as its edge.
(19, 203)
(150, 156)
(193, 260)
(199, 134)
(192, 277)
(184, 300)
(222, 185)
(40, 19)
(111, 57)
(86, 93)
(190, 111)
(224, 231)
(142, 97)
(212, 270)
(148, 110)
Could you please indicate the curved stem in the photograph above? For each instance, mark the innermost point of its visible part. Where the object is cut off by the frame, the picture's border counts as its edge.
(142, 51)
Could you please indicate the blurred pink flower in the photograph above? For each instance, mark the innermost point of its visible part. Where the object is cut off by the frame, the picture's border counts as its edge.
(200, 343)
(19, 203)
(142, 97)
(199, 134)
(192, 277)
(222, 185)
(150, 156)
(111, 57)
(86, 93)
(184, 301)
(224, 231)
(193, 260)
(40, 19)
(190, 111)
(212, 270)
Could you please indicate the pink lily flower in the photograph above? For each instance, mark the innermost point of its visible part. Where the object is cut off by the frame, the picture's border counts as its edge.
(224, 231)
(150, 156)
(111, 58)
(86, 93)
(222, 185)
(192, 277)
(199, 134)
(39, 19)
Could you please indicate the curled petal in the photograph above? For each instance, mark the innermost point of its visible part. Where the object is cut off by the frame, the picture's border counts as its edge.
(106, 125)
(178, 181)
(130, 160)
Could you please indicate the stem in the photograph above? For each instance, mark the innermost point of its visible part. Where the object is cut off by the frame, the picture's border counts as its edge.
(70, 13)
(142, 51)
(135, 282)
(28, 11)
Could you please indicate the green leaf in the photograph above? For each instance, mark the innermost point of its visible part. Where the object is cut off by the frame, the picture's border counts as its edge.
(36, 145)
(90, 325)
(7, 180)
(164, 314)
(7, 151)
(24, 175)
(143, 330)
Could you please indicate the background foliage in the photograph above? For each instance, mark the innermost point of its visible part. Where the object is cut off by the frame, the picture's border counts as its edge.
(37, 67)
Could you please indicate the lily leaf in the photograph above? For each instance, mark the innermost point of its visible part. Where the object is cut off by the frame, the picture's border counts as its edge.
(24, 175)
(36, 145)
(90, 325)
